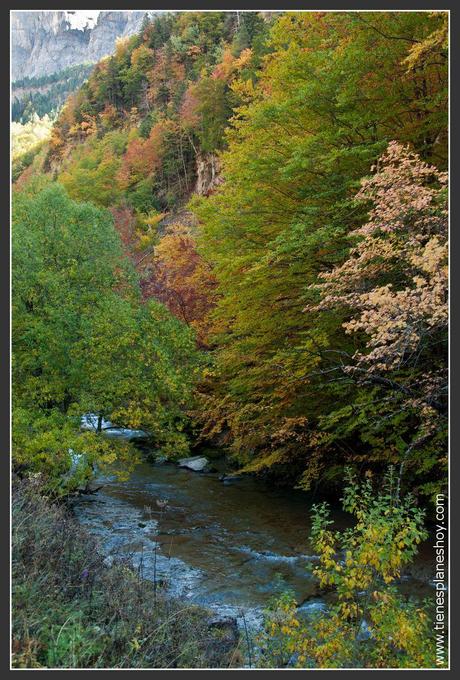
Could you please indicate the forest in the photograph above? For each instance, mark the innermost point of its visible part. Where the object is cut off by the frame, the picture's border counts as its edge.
(45, 95)
(235, 237)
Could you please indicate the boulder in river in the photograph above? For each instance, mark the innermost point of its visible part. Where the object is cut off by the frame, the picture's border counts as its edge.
(196, 463)
(229, 479)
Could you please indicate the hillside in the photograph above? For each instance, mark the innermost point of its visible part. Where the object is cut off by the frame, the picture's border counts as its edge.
(217, 105)
(230, 276)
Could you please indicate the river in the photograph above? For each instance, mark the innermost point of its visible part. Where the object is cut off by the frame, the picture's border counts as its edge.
(230, 547)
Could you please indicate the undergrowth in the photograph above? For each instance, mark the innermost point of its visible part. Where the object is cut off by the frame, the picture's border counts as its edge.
(71, 610)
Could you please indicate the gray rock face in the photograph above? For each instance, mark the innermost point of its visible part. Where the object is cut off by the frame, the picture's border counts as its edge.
(207, 174)
(45, 42)
(196, 463)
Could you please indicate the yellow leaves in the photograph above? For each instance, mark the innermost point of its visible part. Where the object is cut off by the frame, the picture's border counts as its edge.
(121, 47)
(434, 46)
(135, 644)
(244, 89)
(141, 55)
(350, 610)
(152, 219)
(244, 58)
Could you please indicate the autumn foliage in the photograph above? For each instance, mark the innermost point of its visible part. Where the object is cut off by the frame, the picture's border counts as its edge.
(181, 279)
(315, 273)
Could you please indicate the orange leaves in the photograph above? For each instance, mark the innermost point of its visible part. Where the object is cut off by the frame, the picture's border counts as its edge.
(396, 279)
(141, 56)
(137, 163)
(230, 65)
(143, 157)
(182, 280)
(163, 78)
(226, 67)
(189, 114)
(109, 116)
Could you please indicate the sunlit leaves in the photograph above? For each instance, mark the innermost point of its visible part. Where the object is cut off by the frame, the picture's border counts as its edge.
(84, 342)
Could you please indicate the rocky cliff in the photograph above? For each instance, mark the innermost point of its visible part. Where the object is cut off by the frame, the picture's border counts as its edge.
(45, 42)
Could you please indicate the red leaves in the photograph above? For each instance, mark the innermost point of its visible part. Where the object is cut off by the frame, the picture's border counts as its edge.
(182, 280)
(143, 157)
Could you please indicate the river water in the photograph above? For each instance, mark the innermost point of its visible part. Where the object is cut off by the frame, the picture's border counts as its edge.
(230, 547)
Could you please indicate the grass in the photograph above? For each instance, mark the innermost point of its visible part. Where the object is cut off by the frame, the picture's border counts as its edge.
(70, 610)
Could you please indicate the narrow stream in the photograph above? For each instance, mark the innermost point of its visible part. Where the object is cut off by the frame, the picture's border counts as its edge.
(229, 547)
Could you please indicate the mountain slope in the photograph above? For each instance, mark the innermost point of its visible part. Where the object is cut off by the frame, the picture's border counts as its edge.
(52, 52)
(44, 42)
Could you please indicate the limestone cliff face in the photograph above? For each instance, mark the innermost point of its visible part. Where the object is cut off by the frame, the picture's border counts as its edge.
(207, 174)
(44, 42)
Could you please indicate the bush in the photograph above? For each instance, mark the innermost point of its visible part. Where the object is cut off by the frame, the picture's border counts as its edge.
(370, 625)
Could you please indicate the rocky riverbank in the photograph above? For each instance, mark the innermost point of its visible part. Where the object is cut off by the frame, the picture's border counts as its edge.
(99, 613)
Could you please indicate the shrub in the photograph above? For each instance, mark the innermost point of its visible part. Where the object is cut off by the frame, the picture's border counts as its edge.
(370, 625)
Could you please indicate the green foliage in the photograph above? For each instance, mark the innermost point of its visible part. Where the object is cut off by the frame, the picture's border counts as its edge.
(322, 306)
(145, 83)
(25, 160)
(82, 340)
(91, 174)
(142, 197)
(213, 111)
(334, 90)
(299, 107)
(146, 125)
(370, 625)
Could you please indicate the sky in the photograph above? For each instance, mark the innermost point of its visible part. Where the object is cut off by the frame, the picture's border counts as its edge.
(80, 17)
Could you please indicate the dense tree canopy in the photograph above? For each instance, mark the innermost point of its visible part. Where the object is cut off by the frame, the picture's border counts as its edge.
(326, 106)
(325, 336)
(236, 238)
(82, 340)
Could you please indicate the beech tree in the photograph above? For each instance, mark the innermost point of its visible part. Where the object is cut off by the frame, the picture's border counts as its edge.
(333, 89)
(181, 279)
(395, 284)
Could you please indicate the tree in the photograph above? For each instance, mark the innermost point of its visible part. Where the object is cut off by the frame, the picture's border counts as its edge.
(182, 280)
(333, 90)
(395, 286)
(82, 340)
(93, 169)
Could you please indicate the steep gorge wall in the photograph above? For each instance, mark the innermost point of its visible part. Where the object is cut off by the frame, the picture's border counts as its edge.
(44, 42)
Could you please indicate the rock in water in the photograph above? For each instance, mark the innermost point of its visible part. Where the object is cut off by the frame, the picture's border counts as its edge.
(196, 463)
